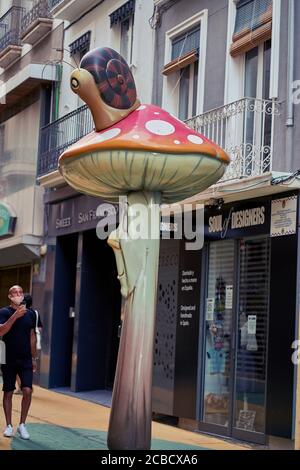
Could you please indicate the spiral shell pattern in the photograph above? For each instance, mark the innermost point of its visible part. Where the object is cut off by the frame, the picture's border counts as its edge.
(112, 76)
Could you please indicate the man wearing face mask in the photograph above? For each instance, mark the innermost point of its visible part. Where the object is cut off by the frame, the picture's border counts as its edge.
(20, 342)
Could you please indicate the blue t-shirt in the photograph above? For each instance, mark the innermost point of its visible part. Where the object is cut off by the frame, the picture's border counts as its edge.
(17, 340)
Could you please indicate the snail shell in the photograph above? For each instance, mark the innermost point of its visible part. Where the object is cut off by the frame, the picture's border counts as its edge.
(112, 77)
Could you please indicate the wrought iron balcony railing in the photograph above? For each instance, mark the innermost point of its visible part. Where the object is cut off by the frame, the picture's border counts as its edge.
(10, 28)
(60, 134)
(245, 129)
(40, 10)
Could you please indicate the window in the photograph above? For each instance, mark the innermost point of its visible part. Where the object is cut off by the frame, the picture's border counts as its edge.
(123, 19)
(78, 49)
(258, 116)
(126, 40)
(184, 66)
(253, 25)
(184, 69)
(188, 91)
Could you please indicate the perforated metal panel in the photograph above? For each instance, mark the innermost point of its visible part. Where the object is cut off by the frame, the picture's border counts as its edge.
(165, 335)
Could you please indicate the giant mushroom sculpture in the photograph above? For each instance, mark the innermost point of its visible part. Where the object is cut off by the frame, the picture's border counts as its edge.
(144, 153)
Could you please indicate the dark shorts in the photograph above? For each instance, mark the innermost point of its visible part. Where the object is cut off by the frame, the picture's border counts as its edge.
(22, 368)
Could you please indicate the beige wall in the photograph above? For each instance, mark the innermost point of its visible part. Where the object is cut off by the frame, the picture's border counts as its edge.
(18, 155)
(28, 206)
(18, 159)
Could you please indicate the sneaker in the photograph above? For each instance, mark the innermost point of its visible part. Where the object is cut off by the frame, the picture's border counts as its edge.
(8, 432)
(22, 431)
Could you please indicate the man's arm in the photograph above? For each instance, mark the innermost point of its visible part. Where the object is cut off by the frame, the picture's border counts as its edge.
(5, 327)
(33, 348)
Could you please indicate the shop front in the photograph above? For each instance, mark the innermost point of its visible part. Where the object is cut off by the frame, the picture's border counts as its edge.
(81, 299)
(233, 373)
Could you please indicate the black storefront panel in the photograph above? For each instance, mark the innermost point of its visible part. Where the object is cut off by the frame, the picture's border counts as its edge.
(177, 331)
(187, 338)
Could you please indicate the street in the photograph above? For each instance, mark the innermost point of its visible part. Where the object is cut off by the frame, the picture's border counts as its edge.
(60, 422)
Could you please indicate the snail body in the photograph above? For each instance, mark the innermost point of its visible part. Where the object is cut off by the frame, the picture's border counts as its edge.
(104, 81)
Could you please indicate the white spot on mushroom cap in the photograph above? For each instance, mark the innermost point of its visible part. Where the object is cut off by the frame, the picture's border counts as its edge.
(177, 142)
(108, 134)
(159, 127)
(156, 113)
(195, 139)
(140, 108)
(135, 136)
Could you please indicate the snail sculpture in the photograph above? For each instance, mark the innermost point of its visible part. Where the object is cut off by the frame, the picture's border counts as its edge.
(149, 156)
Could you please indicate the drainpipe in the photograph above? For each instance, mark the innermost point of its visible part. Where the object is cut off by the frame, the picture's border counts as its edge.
(290, 80)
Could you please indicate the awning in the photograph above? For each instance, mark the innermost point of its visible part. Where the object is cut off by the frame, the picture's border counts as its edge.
(122, 13)
(80, 44)
(247, 188)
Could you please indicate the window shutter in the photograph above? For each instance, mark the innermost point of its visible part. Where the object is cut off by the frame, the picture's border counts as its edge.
(253, 25)
(185, 51)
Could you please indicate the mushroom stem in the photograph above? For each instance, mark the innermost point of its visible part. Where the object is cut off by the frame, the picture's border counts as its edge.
(137, 263)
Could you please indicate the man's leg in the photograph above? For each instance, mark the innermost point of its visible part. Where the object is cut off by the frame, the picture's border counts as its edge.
(26, 400)
(26, 376)
(7, 406)
(9, 379)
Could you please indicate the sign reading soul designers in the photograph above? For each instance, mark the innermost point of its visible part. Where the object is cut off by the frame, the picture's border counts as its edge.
(7, 221)
(238, 220)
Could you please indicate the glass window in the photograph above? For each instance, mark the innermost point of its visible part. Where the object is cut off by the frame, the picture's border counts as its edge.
(188, 87)
(127, 39)
(250, 14)
(185, 43)
(218, 326)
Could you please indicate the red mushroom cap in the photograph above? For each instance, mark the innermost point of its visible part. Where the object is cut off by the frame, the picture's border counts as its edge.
(148, 128)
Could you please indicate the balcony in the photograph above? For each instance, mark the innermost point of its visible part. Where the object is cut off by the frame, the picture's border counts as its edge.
(36, 23)
(245, 129)
(70, 9)
(60, 134)
(10, 40)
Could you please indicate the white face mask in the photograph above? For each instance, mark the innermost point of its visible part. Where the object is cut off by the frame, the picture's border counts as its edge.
(17, 299)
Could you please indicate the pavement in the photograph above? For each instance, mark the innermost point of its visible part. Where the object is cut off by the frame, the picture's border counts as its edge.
(61, 422)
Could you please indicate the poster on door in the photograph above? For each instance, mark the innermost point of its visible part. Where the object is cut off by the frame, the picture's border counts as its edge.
(284, 216)
(210, 308)
(251, 324)
(228, 297)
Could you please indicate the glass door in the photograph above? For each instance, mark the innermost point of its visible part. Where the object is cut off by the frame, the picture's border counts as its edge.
(218, 337)
(235, 339)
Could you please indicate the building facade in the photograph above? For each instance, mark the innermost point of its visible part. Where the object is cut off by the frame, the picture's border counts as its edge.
(28, 34)
(229, 69)
(227, 314)
(78, 275)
